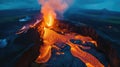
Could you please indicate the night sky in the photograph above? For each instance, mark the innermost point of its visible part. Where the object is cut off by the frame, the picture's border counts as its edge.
(113, 5)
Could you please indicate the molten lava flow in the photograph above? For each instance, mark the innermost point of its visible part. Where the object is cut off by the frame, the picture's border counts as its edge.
(84, 56)
(50, 38)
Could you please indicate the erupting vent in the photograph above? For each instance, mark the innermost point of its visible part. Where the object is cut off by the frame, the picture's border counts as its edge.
(53, 39)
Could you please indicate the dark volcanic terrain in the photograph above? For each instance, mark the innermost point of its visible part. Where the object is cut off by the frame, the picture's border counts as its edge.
(106, 24)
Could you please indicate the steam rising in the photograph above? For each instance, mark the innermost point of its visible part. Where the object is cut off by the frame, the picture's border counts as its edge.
(54, 5)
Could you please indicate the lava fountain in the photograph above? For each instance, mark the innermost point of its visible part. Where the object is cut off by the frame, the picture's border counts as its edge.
(51, 37)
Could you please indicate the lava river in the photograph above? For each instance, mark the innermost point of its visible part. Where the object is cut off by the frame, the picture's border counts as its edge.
(50, 37)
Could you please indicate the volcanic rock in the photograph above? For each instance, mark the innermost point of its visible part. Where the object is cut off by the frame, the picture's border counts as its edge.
(104, 52)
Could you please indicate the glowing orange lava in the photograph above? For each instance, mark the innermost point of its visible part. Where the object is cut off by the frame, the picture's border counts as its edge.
(50, 37)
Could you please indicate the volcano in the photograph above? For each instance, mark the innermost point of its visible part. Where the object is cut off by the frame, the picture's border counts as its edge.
(59, 39)
(64, 42)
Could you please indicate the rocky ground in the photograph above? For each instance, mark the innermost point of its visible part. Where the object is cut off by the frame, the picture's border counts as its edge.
(10, 24)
